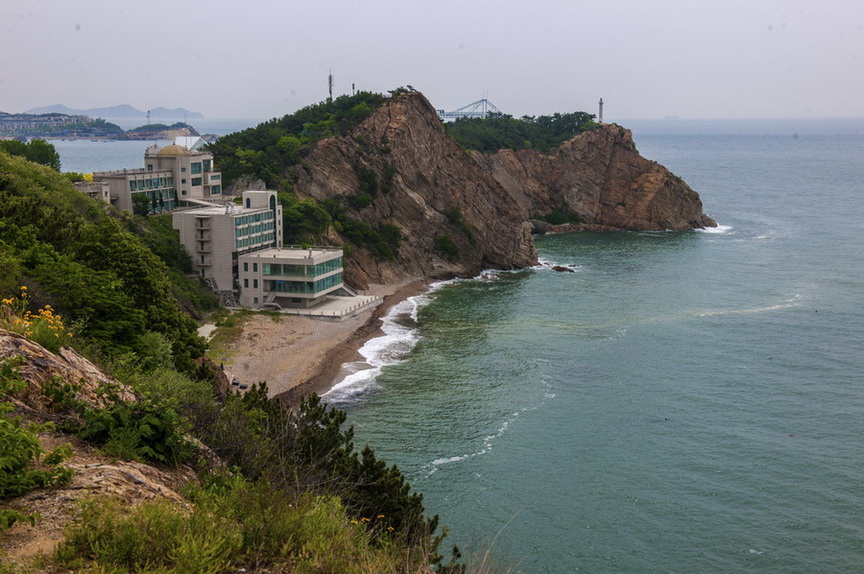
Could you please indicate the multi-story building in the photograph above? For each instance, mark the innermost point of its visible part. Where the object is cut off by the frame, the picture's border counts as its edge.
(194, 174)
(172, 177)
(289, 277)
(95, 189)
(216, 236)
(238, 249)
(151, 191)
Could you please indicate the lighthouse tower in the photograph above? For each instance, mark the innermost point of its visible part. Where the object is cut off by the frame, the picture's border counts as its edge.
(600, 117)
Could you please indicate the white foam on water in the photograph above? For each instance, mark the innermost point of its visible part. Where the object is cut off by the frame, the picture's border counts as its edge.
(489, 440)
(548, 264)
(792, 301)
(400, 336)
(720, 229)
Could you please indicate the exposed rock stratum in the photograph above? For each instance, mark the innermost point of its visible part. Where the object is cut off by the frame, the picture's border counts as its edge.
(432, 189)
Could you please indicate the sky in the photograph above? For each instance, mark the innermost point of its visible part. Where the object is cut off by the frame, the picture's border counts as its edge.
(267, 58)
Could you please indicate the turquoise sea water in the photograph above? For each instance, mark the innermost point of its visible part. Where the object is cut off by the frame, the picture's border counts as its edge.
(681, 402)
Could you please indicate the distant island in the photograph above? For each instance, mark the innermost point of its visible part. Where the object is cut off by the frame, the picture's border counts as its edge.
(116, 112)
(79, 126)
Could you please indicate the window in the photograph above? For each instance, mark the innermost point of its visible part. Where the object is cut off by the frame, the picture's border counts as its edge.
(196, 181)
(254, 268)
(207, 165)
(183, 192)
(254, 283)
(215, 177)
(245, 266)
(149, 167)
(133, 185)
(246, 283)
(196, 167)
(183, 180)
(215, 190)
(182, 170)
(255, 300)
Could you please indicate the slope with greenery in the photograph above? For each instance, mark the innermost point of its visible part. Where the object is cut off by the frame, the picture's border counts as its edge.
(290, 493)
(110, 287)
(269, 149)
(501, 131)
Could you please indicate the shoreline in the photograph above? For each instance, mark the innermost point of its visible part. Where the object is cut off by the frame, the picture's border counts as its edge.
(298, 356)
(347, 351)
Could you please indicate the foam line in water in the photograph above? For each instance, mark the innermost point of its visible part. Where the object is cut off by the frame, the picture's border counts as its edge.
(791, 302)
(720, 229)
(400, 336)
(489, 440)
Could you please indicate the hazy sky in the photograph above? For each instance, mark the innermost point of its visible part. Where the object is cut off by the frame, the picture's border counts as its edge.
(266, 58)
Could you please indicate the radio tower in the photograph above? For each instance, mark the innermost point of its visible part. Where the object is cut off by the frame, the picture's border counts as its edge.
(330, 86)
(601, 110)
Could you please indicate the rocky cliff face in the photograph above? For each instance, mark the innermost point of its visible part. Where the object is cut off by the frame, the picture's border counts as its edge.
(428, 187)
(461, 212)
(600, 176)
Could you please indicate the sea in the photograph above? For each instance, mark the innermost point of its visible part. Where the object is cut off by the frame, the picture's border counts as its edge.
(89, 155)
(681, 402)
(676, 402)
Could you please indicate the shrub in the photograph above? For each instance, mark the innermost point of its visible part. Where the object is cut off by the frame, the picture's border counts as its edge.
(142, 431)
(446, 248)
(560, 217)
(44, 327)
(22, 466)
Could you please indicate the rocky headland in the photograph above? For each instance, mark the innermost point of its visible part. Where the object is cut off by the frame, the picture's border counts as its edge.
(479, 205)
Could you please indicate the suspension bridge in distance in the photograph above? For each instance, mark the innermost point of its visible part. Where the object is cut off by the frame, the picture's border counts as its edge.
(479, 109)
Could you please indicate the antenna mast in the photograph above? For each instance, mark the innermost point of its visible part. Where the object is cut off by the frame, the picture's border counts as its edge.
(330, 86)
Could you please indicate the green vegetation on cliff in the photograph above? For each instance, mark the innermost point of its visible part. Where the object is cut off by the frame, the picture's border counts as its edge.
(269, 149)
(103, 279)
(501, 131)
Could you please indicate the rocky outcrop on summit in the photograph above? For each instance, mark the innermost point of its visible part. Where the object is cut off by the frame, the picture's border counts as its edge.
(600, 176)
(429, 188)
(461, 212)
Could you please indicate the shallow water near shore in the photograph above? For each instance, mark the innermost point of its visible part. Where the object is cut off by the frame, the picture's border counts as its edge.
(680, 402)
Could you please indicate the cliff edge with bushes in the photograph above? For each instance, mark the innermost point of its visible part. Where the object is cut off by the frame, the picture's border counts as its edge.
(457, 212)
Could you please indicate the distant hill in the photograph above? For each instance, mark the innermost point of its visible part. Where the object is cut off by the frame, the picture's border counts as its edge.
(121, 111)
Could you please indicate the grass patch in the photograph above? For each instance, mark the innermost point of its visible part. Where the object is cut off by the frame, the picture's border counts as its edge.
(229, 329)
(231, 524)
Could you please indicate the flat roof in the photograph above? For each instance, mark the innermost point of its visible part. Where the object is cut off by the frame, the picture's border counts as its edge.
(295, 253)
(220, 210)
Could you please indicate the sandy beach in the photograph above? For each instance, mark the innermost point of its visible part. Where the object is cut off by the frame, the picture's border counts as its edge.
(298, 355)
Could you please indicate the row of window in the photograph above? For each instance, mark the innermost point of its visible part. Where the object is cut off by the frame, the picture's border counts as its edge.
(253, 229)
(255, 240)
(150, 183)
(157, 194)
(304, 287)
(253, 218)
(286, 270)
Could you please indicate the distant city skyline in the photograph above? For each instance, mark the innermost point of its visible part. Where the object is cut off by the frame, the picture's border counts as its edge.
(261, 59)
